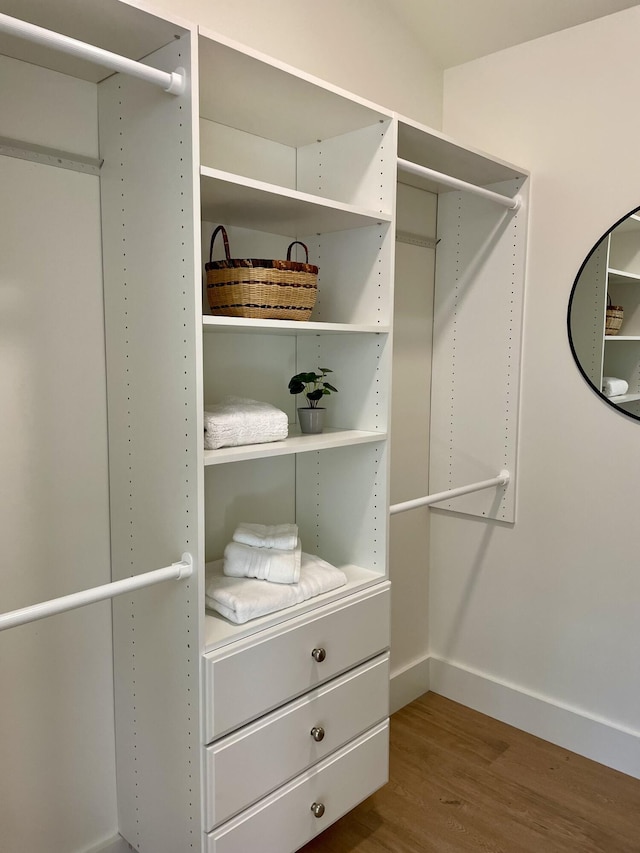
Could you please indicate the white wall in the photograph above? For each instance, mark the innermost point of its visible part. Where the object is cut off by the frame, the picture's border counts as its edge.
(360, 45)
(537, 623)
(57, 791)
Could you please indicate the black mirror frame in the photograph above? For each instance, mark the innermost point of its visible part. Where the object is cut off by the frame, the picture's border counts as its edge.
(597, 391)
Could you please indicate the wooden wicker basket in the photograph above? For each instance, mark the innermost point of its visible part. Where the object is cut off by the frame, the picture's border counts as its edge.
(615, 315)
(260, 287)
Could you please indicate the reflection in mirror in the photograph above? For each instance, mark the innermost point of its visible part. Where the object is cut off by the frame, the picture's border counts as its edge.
(604, 316)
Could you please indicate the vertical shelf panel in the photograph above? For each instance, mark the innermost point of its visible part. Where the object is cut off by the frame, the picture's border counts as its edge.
(353, 167)
(361, 367)
(341, 505)
(587, 318)
(480, 266)
(154, 450)
(354, 270)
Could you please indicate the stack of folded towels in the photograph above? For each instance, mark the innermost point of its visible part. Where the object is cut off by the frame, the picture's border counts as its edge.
(236, 421)
(270, 553)
(266, 570)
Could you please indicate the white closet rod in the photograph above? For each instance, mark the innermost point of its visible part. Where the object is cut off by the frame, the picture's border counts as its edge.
(176, 571)
(170, 81)
(456, 183)
(501, 480)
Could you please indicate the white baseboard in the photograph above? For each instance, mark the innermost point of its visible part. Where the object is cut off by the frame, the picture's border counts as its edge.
(571, 728)
(408, 683)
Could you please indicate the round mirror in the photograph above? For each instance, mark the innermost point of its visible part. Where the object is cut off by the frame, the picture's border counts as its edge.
(604, 316)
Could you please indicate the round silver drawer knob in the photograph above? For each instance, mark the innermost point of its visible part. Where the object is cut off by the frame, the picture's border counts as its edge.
(318, 655)
(317, 809)
(317, 733)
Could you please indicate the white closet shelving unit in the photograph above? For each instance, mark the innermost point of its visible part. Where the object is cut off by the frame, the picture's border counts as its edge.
(478, 315)
(234, 738)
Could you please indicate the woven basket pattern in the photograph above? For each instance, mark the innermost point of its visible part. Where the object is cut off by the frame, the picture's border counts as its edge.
(261, 287)
(615, 315)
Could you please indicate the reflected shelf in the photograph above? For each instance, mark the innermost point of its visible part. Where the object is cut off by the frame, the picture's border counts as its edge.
(624, 398)
(621, 276)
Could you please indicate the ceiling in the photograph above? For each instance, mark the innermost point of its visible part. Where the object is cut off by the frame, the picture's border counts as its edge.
(456, 31)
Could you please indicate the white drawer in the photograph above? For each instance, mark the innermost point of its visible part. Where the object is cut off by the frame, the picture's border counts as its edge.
(284, 821)
(251, 763)
(246, 679)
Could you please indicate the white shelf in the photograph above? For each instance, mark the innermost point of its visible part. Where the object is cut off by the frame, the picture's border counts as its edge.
(248, 203)
(118, 28)
(287, 327)
(620, 276)
(326, 440)
(219, 631)
(609, 338)
(244, 88)
(428, 147)
(624, 398)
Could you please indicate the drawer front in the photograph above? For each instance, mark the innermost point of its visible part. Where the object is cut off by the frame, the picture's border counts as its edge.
(245, 681)
(284, 821)
(251, 763)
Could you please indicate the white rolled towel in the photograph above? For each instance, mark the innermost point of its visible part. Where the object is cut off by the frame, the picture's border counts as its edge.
(237, 421)
(241, 599)
(614, 387)
(267, 564)
(283, 536)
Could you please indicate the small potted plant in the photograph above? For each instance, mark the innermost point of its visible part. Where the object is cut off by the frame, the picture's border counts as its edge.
(314, 387)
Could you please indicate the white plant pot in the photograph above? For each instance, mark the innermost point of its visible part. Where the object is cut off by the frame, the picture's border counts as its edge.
(311, 420)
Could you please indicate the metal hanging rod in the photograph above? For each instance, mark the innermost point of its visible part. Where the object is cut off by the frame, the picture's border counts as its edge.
(456, 183)
(501, 480)
(177, 571)
(171, 81)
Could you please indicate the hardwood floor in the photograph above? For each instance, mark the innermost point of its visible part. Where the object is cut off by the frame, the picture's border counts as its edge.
(461, 781)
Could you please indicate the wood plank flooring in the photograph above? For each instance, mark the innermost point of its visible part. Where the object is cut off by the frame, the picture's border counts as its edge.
(461, 781)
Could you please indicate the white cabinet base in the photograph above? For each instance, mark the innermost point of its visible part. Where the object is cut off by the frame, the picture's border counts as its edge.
(284, 822)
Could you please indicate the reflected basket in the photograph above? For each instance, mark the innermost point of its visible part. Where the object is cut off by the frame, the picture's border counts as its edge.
(260, 287)
(615, 315)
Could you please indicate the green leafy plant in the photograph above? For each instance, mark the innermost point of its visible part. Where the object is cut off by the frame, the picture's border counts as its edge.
(313, 386)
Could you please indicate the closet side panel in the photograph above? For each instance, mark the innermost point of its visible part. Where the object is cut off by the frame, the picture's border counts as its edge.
(587, 317)
(57, 768)
(412, 353)
(153, 343)
(480, 267)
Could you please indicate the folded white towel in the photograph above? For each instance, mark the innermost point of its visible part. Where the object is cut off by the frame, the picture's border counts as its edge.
(266, 564)
(614, 387)
(236, 420)
(241, 599)
(284, 536)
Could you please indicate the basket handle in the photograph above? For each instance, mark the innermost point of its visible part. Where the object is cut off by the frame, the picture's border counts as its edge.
(298, 243)
(226, 242)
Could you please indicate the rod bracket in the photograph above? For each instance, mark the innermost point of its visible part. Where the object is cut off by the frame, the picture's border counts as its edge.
(178, 83)
(185, 566)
